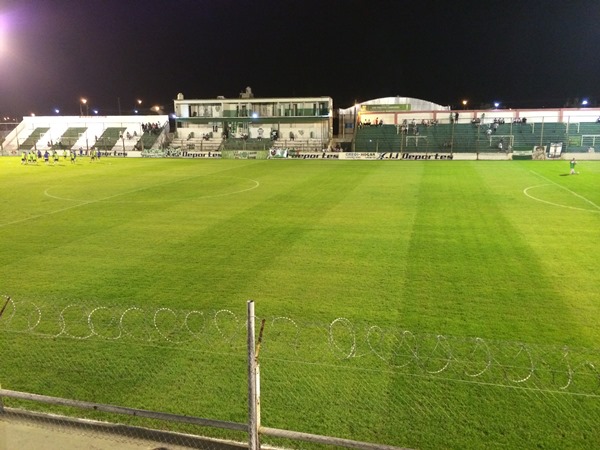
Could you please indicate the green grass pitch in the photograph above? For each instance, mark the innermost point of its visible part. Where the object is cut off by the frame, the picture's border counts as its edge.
(504, 251)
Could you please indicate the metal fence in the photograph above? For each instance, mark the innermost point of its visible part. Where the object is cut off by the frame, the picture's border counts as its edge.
(229, 378)
(475, 134)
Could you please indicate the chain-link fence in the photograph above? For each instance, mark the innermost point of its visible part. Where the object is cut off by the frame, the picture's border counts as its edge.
(354, 382)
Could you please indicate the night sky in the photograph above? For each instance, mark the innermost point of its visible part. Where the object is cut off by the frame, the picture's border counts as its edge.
(520, 53)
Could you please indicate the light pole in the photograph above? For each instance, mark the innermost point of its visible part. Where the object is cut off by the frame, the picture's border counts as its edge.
(464, 103)
(83, 102)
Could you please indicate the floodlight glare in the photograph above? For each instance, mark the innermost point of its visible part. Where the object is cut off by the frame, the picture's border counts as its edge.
(83, 101)
(496, 104)
(584, 102)
(3, 26)
(254, 115)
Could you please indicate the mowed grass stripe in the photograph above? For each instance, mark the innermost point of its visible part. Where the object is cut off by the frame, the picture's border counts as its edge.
(472, 272)
(490, 282)
(564, 241)
(81, 246)
(349, 259)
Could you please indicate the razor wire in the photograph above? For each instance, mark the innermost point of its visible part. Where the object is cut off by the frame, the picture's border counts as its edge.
(112, 323)
(469, 359)
(184, 362)
(382, 383)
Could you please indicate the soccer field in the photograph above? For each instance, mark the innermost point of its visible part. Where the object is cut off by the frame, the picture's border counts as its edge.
(507, 250)
(502, 251)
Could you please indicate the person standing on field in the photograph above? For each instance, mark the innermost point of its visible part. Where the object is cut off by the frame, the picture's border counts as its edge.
(572, 164)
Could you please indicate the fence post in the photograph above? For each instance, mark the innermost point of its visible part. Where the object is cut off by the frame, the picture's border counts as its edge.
(2, 312)
(253, 389)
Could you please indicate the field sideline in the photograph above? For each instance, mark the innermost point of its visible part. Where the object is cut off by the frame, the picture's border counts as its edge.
(494, 249)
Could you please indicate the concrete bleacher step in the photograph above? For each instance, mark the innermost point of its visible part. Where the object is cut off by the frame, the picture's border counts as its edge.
(197, 144)
(109, 138)
(31, 141)
(69, 138)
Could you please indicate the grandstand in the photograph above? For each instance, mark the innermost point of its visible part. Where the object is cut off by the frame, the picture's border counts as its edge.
(68, 139)
(397, 124)
(31, 141)
(110, 134)
(305, 125)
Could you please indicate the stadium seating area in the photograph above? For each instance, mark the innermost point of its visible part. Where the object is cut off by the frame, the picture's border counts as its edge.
(476, 137)
(109, 138)
(32, 139)
(308, 145)
(68, 139)
(129, 133)
(103, 133)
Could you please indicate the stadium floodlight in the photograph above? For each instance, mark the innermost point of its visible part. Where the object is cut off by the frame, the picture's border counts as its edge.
(584, 102)
(255, 115)
(82, 102)
(464, 103)
(496, 105)
(56, 111)
(95, 111)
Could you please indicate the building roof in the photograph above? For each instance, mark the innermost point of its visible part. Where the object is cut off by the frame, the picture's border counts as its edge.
(413, 104)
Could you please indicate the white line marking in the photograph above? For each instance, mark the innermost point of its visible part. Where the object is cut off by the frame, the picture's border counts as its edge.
(550, 182)
(256, 184)
(526, 192)
(87, 202)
